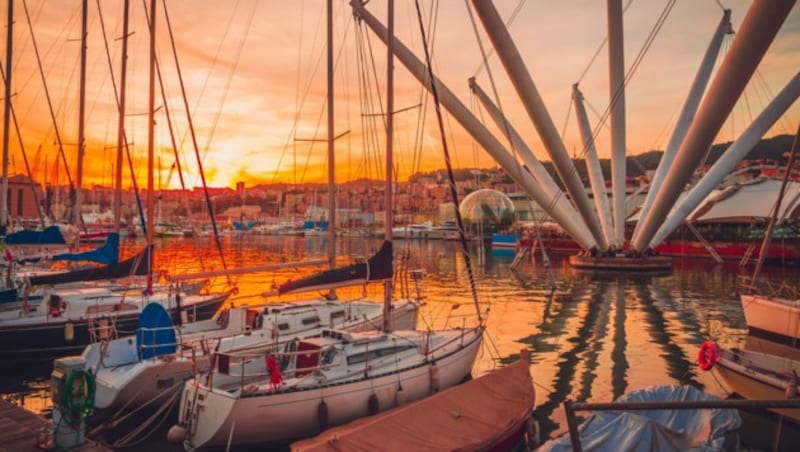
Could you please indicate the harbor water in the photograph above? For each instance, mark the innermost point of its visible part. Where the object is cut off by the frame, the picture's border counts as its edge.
(592, 336)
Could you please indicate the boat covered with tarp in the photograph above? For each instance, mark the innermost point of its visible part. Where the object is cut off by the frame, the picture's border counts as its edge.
(666, 429)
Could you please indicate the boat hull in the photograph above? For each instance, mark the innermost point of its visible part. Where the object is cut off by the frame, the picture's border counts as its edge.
(58, 336)
(758, 376)
(775, 316)
(222, 417)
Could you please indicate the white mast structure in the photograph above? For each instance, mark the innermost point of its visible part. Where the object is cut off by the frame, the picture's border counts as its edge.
(760, 25)
(593, 167)
(616, 79)
(733, 155)
(534, 105)
(467, 120)
(548, 193)
(687, 114)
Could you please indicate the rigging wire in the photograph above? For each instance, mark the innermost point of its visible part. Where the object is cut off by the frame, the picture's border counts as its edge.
(448, 164)
(194, 142)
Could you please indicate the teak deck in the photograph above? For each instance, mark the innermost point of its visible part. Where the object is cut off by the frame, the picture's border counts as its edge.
(19, 430)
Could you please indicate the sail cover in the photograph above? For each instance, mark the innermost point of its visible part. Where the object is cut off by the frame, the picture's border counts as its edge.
(376, 268)
(137, 265)
(50, 235)
(108, 253)
(155, 333)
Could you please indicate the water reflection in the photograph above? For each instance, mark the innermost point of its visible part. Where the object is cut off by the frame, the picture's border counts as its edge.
(594, 338)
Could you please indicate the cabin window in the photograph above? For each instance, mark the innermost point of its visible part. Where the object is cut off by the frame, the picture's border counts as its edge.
(337, 314)
(377, 353)
(311, 320)
(283, 326)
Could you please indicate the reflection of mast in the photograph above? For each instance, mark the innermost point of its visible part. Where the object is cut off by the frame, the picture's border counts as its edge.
(620, 365)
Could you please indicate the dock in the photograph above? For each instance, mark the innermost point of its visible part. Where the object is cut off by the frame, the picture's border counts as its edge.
(20, 431)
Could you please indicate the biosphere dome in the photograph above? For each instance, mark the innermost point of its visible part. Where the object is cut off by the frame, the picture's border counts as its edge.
(486, 211)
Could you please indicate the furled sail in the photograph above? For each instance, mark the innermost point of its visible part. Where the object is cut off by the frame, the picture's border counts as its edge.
(138, 265)
(376, 268)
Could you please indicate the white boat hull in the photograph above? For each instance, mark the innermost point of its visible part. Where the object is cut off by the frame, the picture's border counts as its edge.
(758, 376)
(772, 315)
(150, 380)
(224, 417)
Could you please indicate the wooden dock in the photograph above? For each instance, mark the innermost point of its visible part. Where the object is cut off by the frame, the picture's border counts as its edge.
(20, 430)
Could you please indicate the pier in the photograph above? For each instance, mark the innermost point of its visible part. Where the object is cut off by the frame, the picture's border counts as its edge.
(22, 430)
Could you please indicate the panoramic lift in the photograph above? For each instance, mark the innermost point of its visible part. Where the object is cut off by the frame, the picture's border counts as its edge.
(599, 226)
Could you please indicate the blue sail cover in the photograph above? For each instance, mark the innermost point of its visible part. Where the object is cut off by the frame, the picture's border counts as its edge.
(155, 333)
(107, 254)
(50, 235)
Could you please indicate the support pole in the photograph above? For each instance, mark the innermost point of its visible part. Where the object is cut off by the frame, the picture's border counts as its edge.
(534, 105)
(763, 20)
(687, 114)
(616, 79)
(537, 170)
(732, 156)
(593, 168)
(469, 122)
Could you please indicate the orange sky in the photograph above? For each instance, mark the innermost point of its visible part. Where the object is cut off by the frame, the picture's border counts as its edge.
(254, 73)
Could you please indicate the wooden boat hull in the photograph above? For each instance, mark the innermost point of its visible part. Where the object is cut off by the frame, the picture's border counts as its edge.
(772, 315)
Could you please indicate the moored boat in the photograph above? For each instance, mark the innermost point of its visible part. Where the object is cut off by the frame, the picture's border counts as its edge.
(489, 413)
(758, 376)
(772, 315)
(250, 399)
(69, 319)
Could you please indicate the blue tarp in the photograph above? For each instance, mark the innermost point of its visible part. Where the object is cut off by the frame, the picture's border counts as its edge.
(107, 254)
(50, 235)
(155, 333)
(649, 430)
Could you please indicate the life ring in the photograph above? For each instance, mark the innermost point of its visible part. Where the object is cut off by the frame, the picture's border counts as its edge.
(708, 355)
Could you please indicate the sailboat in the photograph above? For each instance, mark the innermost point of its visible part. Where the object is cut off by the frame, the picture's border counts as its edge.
(311, 384)
(772, 313)
(69, 318)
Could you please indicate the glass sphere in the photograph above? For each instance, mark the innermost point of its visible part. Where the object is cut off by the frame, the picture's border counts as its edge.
(487, 209)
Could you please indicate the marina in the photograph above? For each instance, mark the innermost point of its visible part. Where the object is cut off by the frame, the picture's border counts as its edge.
(323, 299)
(604, 335)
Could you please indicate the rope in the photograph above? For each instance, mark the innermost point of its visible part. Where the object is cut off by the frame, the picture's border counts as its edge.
(451, 177)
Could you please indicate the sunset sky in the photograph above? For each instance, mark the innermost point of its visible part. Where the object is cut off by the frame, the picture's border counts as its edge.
(254, 72)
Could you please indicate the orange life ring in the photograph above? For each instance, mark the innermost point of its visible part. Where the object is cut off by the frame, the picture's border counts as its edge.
(708, 355)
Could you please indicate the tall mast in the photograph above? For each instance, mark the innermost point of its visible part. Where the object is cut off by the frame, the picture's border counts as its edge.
(77, 221)
(150, 145)
(389, 204)
(121, 123)
(6, 116)
(331, 138)
(616, 77)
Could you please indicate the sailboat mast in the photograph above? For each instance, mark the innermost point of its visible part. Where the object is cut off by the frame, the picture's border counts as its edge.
(150, 144)
(121, 122)
(77, 221)
(389, 204)
(6, 115)
(331, 161)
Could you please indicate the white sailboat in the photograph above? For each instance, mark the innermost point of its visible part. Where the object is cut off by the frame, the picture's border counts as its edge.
(772, 313)
(254, 398)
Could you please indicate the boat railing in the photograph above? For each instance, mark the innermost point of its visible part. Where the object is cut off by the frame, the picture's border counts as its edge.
(750, 405)
(766, 287)
(223, 362)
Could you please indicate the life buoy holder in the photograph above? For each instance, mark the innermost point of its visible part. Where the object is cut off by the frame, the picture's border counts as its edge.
(708, 355)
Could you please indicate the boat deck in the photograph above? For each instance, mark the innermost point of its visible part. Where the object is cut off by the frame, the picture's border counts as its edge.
(19, 430)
